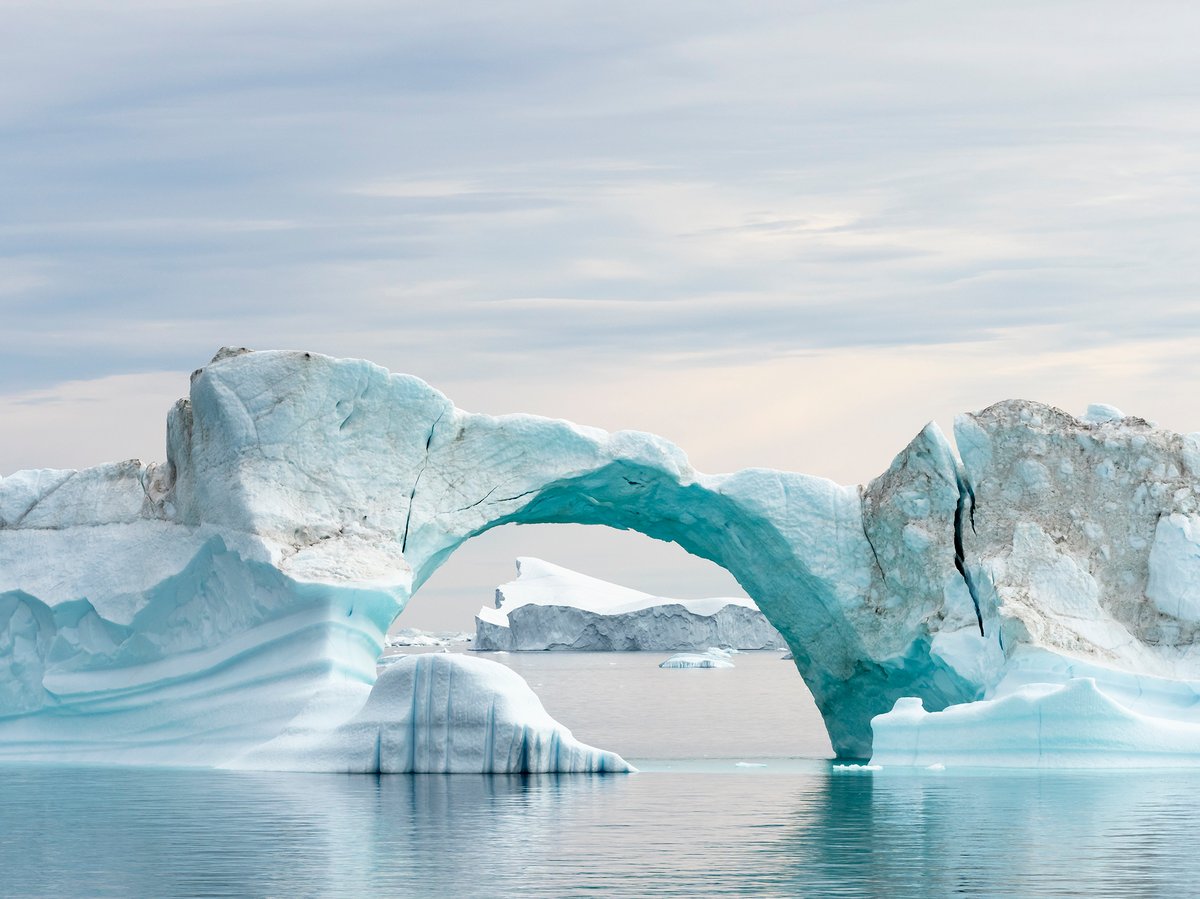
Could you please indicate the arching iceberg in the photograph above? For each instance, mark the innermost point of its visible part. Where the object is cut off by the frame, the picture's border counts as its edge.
(187, 612)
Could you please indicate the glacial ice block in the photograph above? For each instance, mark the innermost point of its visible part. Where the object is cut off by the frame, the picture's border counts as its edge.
(551, 607)
(437, 714)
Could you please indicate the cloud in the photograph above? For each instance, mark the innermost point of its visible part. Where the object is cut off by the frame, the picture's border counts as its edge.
(80, 423)
(618, 191)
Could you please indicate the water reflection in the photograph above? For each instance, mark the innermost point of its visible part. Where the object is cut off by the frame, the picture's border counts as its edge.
(98, 832)
(995, 834)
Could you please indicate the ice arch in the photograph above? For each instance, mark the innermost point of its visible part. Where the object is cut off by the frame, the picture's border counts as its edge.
(185, 611)
(352, 472)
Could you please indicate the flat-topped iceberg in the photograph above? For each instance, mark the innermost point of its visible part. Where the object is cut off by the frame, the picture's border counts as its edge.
(436, 714)
(188, 612)
(551, 607)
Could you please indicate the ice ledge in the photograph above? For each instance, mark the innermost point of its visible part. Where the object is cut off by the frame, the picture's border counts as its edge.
(1074, 724)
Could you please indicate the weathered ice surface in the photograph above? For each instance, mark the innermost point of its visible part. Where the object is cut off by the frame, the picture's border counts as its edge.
(1082, 545)
(436, 714)
(551, 607)
(190, 611)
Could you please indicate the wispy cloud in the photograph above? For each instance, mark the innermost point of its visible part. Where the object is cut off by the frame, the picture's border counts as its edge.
(459, 191)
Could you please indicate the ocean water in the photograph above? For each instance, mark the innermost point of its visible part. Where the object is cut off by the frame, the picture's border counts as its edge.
(624, 702)
(731, 816)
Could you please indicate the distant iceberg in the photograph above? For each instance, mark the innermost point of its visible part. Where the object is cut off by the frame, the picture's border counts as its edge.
(551, 607)
(411, 636)
(712, 658)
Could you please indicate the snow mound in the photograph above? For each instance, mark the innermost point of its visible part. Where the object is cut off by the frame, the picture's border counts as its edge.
(437, 714)
(551, 607)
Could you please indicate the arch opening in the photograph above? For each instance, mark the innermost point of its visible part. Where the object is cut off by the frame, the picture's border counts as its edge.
(622, 700)
(467, 579)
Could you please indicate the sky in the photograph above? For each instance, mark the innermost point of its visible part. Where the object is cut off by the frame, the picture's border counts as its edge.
(778, 234)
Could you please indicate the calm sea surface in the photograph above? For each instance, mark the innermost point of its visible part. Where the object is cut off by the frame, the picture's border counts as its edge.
(694, 823)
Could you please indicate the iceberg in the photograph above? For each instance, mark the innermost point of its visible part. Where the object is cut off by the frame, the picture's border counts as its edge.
(551, 607)
(190, 611)
(436, 714)
(411, 636)
(713, 658)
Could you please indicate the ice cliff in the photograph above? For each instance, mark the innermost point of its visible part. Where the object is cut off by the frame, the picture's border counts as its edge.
(190, 611)
(551, 607)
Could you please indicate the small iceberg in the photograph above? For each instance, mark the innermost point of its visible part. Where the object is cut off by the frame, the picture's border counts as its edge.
(435, 713)
(710, 658)
(411, 636)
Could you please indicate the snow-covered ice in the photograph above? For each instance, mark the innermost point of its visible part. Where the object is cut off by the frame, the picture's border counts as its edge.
(551, 607)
